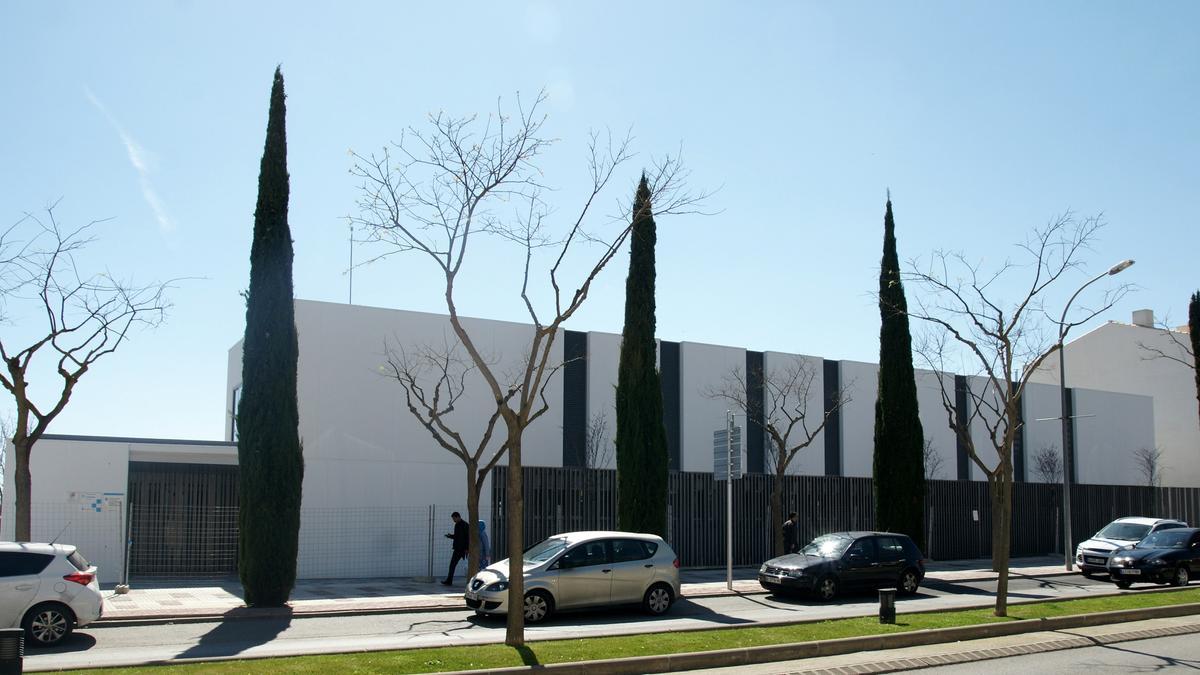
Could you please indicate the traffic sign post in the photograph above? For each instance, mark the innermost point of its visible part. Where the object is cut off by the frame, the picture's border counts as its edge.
(727, 466)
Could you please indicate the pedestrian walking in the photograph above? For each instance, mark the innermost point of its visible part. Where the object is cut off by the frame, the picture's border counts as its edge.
(461, 537)
(485, 546)
(791, 537)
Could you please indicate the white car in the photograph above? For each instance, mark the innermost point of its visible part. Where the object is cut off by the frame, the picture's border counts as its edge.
(1092, 555)
(584, 569)
(48, 590)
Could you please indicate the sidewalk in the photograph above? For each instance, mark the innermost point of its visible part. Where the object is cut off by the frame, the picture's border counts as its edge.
(189, 599)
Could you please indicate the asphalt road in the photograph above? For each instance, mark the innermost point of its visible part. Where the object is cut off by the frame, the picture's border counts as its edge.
(1175, 654)
(130, 645)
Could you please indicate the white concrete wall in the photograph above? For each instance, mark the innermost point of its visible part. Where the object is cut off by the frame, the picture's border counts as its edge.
(703, 367)
(935, 422)
(1108, 439)
(779, 368)
(1041, 401)
(603, 359)
(861, 382)
(1111, 358)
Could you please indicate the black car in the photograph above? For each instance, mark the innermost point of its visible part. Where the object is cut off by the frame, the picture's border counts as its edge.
(847, 560)
(1165, 557)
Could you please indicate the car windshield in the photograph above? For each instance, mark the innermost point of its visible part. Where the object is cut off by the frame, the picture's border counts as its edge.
(545, 550)
(827, 546)
(1124, 531)
(1166, 539)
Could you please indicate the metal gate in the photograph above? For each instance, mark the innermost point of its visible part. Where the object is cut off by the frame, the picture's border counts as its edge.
(183, 519)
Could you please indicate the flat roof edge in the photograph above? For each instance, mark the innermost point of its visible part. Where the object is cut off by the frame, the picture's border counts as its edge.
(124, 439)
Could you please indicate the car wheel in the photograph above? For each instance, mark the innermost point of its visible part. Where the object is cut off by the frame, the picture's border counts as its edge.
(908, 583)
(658, 599)
(47, 624)
(826, 589)
(538, 606)
(1180, 577)
(1124, 584)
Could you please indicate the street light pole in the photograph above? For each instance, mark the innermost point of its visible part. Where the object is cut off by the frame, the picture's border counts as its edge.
(1063, 327)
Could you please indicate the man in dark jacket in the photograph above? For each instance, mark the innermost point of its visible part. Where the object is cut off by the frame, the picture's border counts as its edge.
(461, 537)
(791, 537)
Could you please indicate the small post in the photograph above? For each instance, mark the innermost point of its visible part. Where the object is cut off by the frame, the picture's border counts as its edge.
(729, 499)
(887, 605)
(12, 651)
(430, 556)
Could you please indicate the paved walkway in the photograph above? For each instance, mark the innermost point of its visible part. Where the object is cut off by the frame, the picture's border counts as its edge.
(150, 600)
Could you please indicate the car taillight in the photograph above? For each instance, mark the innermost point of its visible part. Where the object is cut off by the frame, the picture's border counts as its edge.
(81, 578)
(676, 563)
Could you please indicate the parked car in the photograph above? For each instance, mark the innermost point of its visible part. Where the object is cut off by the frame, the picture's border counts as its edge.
(840, 560)
(584, 569)
(47, 589)
(1167, 557)
(1092, 555)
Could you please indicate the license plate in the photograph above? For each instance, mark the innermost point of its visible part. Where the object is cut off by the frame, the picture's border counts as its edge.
(1094, 561)
(1131, 572)
(471, 595)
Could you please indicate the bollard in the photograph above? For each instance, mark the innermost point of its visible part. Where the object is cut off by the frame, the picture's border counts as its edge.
(12, 649)
(887, 605)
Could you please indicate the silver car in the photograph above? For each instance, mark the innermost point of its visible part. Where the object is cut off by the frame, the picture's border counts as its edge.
(48, 590)
(584, 569)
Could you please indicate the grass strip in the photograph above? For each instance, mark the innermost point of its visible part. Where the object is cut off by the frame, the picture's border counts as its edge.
(442, 659)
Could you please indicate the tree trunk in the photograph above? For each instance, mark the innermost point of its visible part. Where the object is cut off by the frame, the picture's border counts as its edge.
(777, 513)
(23, 487)
(515, 633)
(472, 519)
(1003, 526)
(995, 488)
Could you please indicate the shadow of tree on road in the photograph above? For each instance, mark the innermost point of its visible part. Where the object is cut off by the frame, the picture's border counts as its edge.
(239, 630)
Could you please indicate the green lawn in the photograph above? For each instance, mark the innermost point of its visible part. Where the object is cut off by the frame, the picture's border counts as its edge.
(558, 651)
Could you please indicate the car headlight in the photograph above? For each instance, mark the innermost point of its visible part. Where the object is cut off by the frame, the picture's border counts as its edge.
(794, 573)
(1157, 561)
(497, 587)
(763, 569)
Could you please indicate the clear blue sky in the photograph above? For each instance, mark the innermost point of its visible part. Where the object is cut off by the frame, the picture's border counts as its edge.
(984, 120)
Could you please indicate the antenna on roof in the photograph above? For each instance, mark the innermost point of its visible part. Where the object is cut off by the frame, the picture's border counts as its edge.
(60, 533)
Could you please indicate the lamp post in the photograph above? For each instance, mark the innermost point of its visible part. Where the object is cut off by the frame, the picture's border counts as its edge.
(1063, 327)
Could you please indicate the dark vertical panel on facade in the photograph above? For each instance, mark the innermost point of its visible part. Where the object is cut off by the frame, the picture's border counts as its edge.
(668, 370)
(1069, 413)
(1019, 443)
(754, 412)
(962, 408)
(833, 427)
(574, 423)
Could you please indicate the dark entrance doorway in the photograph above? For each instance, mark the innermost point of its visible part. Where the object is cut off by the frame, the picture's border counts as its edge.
(183, 519)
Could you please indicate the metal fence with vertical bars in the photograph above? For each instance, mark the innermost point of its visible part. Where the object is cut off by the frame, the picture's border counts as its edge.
(957, 513)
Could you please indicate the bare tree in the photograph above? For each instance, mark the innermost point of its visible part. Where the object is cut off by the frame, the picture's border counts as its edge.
(81, 318)
(1047, 464)
(969, 323)
(434, 381)
(1149, 464)
(596, 445)
(933, 461)
(437, 190)
(786, 422)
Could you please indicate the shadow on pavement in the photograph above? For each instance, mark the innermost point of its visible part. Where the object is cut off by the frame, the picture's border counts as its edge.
(612, 616)
(229, 638)
(75, 642)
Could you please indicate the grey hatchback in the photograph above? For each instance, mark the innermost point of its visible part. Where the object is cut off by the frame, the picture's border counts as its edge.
(584, 569)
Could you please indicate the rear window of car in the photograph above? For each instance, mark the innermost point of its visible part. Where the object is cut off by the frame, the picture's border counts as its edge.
(890, 548)
(626, 550)
(1124, 531)
(19, 564)
(80, 562)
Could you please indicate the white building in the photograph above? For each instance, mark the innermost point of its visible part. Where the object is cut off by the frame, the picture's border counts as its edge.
(1138, 358)
(376, 483)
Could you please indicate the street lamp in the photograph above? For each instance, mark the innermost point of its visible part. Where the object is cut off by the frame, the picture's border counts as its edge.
(1063, 327)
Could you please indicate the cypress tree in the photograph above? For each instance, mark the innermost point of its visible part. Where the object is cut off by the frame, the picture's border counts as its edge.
(641, 437)
(899, 465)
(271, 464)
(1194, 334)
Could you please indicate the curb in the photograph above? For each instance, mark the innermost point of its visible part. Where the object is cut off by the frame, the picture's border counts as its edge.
(805, 650)
(242, 613)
